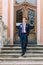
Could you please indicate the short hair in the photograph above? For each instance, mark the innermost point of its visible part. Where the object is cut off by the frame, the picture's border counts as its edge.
(25, 18)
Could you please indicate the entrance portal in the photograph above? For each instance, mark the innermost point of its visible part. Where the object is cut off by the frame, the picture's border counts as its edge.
(29, 11)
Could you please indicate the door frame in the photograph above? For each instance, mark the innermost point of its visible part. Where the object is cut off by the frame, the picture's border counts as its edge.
(21, 7)
(38, 22)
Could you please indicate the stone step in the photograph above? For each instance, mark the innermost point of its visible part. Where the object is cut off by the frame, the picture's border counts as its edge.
(7, 48)
(20, 47)
(21, 63)
(19, 54)
(22, 59)
(27, 45)
(30, 45)
(19, 51)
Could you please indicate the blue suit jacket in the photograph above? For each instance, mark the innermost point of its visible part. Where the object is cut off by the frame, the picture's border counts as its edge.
(28, 28)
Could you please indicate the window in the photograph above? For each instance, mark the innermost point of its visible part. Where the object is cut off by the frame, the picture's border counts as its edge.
(29, 1)
(32, 1)
(31, 17)
(19, 1)
(19, 16)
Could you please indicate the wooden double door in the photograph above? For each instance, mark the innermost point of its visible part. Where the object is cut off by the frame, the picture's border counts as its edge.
(29, 11)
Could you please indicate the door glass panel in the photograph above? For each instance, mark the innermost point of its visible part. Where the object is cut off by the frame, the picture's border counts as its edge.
(29, 1)
(19, 1)
(31, 16)
(31, 19)
(32, 1)
(19, 16)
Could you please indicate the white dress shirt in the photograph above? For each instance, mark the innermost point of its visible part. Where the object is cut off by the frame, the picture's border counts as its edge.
(24, 25)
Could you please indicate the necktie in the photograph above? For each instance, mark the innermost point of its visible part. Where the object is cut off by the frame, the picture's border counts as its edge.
(22, 29)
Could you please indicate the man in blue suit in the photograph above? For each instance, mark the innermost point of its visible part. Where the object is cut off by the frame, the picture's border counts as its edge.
(23, 33)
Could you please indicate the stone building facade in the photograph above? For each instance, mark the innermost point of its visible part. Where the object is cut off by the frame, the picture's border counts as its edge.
(8, 12)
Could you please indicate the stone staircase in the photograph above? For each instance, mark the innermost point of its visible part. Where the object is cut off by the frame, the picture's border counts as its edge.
(11, 55)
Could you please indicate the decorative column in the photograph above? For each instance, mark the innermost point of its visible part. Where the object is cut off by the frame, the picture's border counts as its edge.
(11, 21)
(41, 21)
(38, 22)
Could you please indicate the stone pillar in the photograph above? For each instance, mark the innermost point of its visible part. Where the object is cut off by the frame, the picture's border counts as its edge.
(11, 21)
(41, 23)
(38, 22)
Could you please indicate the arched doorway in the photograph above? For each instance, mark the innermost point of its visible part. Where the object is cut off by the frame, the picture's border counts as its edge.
(28, 10)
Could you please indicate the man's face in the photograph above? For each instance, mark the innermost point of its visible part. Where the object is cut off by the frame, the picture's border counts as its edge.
(24, 20)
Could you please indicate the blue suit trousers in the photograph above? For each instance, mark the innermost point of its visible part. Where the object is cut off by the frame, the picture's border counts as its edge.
(24, 42)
